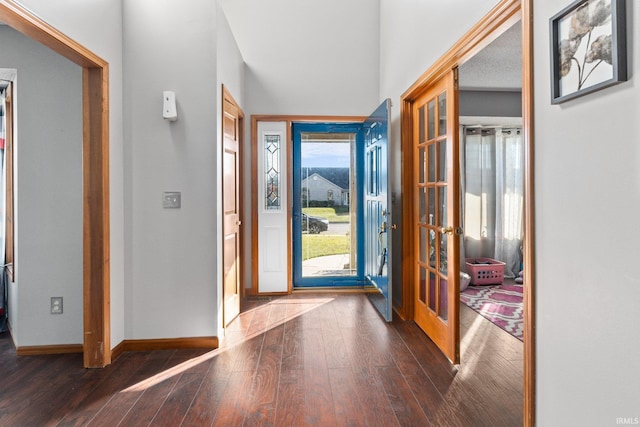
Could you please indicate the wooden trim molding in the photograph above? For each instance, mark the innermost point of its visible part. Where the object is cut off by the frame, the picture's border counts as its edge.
(501, 17)
(529, 209)
(9, 228)
(36, 29)
(207, 343)
(38, 350)
(117, 351)
(253, 232)
(95, 170)
(492, 25)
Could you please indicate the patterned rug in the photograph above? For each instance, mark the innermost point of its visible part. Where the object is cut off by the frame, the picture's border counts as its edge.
(500, 304)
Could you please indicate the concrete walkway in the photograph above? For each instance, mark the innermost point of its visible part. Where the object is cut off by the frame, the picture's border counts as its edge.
(331, 265)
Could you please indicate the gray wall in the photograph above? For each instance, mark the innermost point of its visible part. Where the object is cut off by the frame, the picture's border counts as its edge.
(174, 280)
(97, 26)
(587, 176)
(48, 198)
(490, 103)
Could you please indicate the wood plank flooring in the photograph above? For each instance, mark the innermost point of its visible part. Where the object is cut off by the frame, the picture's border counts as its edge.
(298, 360)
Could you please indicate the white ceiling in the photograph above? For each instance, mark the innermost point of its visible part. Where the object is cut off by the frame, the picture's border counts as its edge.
(496, 67)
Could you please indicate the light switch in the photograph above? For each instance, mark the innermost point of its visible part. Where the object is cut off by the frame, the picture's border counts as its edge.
(171, 199)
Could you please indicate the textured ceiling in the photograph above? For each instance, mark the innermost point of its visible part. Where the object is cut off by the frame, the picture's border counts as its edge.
(496, 67)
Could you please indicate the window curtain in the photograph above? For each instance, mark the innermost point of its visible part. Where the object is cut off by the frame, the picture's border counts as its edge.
(493, 195)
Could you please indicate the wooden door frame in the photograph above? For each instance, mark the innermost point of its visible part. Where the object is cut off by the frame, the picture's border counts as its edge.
(501, 17)
(95, 177)
(227, 97)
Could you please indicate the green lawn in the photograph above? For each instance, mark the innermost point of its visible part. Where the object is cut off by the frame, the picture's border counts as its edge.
(335, 214)
(315, 245)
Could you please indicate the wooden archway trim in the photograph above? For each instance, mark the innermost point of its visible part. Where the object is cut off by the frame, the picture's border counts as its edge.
(95, 176)
(502, 16)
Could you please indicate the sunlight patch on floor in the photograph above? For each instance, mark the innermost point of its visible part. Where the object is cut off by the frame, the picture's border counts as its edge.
(310, 303)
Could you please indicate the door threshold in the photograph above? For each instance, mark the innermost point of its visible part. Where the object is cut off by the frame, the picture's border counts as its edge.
(336, 289)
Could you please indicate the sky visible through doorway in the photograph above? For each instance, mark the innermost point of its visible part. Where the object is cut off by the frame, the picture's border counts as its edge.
(323, 154)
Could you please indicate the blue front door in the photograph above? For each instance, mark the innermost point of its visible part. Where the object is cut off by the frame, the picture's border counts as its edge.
(342, 222)
(378, 223)
(327, 205)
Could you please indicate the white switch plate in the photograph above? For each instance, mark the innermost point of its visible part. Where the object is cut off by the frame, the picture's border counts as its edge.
(171, 199)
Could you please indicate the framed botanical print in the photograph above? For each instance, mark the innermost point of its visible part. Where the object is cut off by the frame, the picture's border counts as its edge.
(588, 48)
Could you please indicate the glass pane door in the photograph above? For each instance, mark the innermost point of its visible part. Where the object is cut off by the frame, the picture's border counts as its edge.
(435, 187)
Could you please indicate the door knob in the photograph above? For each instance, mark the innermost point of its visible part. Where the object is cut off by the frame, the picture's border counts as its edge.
(384, 226)
(451, 230)
(238, 222)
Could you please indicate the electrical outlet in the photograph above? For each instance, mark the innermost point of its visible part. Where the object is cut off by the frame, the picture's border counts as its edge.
(56, 305)
(171, 199)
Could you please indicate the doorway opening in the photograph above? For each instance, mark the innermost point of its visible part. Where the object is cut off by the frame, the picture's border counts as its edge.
(492, 182)
(354, 195)
(96, 237)
(498, 20)
(329, 235)
(326, 216)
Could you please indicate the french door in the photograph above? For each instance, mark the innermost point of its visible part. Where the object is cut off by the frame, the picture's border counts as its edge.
(436, 219)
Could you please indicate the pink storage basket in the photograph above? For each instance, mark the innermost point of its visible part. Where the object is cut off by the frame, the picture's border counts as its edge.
(485, 271)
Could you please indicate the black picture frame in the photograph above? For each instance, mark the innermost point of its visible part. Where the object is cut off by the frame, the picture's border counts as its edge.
(588, 48)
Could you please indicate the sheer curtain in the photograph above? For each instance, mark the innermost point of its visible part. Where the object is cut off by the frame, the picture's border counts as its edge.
(493, 195)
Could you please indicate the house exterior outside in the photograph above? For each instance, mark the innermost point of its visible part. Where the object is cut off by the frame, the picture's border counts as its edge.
(325, 186)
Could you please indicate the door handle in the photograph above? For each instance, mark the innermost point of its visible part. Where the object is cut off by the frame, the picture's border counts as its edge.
(451, 230)
(238, 222)
(384, 226)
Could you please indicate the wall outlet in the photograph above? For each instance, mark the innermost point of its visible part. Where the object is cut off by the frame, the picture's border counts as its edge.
(56, 305)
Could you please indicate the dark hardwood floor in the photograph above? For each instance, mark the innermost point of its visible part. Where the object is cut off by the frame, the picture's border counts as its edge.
(304, 359)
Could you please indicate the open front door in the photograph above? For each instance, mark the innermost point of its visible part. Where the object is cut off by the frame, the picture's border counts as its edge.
(377, 217)
(435, 191)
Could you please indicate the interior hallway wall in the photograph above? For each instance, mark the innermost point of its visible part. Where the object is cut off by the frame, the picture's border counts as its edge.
(174, 283)
(587, 200)
(97, 25)
(48, 197)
